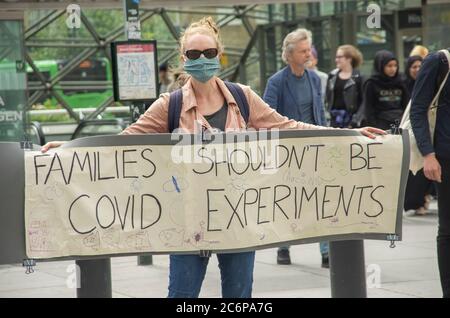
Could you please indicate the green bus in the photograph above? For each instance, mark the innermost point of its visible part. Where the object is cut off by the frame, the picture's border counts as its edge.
(90, 70)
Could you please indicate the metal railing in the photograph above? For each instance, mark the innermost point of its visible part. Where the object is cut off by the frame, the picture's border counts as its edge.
(82, 112)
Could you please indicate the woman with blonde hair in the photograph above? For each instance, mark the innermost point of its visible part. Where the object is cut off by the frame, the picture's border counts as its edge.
(207, 101)
(419, 50)
(344, 88)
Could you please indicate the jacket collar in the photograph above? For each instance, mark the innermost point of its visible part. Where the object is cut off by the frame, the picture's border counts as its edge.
(351, 81)
(190, 101)
(288, 71)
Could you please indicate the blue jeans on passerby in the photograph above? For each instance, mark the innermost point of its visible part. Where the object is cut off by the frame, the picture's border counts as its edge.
(340, 118)
(324, 248)
(188, 271)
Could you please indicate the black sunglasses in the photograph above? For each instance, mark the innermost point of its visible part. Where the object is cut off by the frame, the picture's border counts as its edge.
(195, 54)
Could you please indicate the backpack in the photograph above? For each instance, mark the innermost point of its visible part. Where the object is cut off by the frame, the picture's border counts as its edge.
(416, 159)
(176, 99)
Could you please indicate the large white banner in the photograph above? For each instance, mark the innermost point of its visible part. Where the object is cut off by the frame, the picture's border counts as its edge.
(220, 196)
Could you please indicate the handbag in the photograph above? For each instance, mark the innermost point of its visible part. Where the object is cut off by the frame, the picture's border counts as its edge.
(416, 158)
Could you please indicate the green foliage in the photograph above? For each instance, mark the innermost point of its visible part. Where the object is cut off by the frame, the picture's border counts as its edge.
(59, 118)
(103, 21)
(50, 104)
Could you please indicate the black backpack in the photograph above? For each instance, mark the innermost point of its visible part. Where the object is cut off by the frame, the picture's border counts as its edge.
(176, 99)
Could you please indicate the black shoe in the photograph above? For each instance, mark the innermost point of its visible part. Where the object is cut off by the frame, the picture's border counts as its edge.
(283, 257)
(325, 261)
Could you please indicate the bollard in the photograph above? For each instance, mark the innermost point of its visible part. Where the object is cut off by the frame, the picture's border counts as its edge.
(95, 278)
(347, 269)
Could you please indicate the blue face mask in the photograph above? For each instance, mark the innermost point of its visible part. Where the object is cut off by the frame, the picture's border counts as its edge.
(202, 69)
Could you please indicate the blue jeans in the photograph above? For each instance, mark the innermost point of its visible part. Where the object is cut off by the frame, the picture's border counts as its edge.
(188, 271)
(324, 248)
(340, 118)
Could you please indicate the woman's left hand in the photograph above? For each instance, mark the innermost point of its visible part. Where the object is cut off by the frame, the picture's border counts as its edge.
(371, 132)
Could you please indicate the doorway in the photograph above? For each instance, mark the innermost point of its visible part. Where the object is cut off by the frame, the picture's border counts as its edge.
(407, 40)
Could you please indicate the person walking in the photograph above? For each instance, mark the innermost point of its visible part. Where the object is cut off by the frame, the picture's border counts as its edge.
(296, 92)
(418, 187)
(433, 74)
(344, 88)
(385, 95)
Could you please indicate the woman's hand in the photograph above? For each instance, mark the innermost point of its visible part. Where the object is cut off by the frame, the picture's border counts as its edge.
(371, 132)
(53, 144)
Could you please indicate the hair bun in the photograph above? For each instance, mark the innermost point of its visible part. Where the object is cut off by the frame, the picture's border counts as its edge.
(209, 22)
(206, 26)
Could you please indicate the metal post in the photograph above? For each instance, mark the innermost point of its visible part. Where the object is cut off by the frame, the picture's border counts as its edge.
(262, 59)
(347, 269)
(270, 12)
(133, 31)
(94, 277)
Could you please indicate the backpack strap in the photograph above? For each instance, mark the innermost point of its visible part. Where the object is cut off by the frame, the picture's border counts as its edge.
(176, 100)
(444, 67)
(443, 75)
(174, 111)
(240, 98)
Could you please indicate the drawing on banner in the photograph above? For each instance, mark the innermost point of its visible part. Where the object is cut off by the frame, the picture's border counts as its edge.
(39, 237)
(238, 185)
(136, 186)
(138, 241)
(172, 237)
(175, 184)
(111, 238)
(92, 240)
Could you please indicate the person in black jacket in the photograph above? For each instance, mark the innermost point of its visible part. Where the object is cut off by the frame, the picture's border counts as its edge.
(344, 87)
(437, 156)
(417, 195)
(385, 95)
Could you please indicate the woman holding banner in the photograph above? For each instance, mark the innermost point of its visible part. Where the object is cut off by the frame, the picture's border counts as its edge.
(210, 103)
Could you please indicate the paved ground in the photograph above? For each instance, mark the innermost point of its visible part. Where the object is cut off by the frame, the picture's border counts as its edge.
(409, 270)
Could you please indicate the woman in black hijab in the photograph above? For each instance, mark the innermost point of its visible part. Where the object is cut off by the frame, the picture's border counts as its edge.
(385, 95)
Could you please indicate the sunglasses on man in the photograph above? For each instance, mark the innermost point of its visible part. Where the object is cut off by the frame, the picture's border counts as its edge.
(195, 54)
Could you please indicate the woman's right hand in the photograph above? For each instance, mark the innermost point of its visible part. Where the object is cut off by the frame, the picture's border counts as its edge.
(52, 144)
